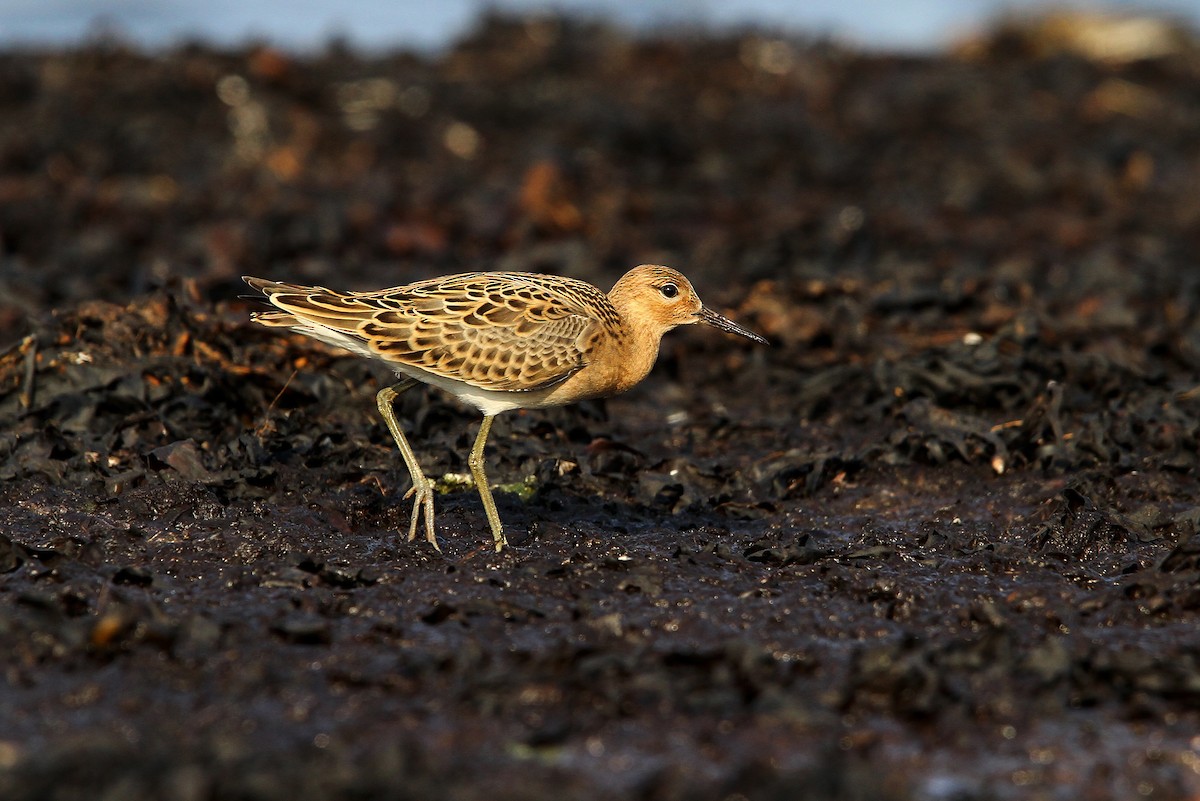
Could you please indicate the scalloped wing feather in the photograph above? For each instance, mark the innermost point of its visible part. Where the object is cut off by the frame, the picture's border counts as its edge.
(496, 331)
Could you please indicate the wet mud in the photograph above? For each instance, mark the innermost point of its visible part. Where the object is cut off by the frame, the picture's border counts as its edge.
(938, 542)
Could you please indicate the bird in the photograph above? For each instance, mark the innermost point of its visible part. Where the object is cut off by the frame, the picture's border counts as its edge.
(498, 341)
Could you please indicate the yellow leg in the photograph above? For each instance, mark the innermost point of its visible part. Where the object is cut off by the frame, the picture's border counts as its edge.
(475, 462)
(422, 487)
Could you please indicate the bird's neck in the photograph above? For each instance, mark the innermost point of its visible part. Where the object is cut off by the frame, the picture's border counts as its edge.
(620, 355)
(636, 349)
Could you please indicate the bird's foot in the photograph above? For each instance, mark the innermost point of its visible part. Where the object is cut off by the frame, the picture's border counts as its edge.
(499, 538)
(422, 488)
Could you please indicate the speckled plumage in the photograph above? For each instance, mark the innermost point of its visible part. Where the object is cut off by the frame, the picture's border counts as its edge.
(500, 341)
(512, 332)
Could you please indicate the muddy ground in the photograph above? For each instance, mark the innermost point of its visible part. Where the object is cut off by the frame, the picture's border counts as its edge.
(938, 542)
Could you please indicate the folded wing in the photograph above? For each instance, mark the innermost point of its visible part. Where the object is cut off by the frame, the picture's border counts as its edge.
(496, 331)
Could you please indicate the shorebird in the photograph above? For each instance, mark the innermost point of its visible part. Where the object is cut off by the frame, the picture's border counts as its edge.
(498, 341)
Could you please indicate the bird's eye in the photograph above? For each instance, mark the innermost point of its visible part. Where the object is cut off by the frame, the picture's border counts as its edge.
(669, 290)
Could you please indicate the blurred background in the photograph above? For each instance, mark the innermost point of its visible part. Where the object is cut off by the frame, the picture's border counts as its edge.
(307, 24)
(913, 142)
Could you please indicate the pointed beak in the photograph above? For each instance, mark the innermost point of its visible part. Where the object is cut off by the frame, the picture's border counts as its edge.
(710, 317)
